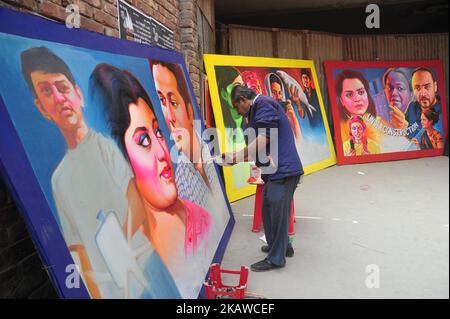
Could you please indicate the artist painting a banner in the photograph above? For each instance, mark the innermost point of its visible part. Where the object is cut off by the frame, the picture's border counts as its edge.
(293, 83)
(108, 190)
(387, 110)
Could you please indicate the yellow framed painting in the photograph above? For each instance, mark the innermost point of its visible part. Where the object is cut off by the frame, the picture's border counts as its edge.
(294, 84)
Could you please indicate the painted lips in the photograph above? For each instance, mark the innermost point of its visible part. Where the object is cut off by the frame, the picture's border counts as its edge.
(66, 110)
(166, 172)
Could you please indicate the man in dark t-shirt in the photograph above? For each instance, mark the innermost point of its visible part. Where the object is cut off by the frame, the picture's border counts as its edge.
(281, 167)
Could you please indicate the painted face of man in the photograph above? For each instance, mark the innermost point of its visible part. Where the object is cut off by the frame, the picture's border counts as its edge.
(397, 91)
(58, 99)
(354, 97)
(149, 157)
(306, 81)
(178, 115)
(425, 89)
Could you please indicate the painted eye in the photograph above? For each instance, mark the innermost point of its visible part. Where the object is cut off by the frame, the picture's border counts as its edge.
(46, 90)
(158, 133)
(361, 92)
(144, 140)
(63, 88)
(174, 103)
(349, 95)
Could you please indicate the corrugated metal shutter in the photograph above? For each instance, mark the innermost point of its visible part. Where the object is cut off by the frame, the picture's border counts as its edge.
(359, 48)
(251, 42)
(322, 47)
(290, 45)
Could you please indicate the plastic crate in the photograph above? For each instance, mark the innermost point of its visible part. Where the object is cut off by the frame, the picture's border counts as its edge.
(215, 289)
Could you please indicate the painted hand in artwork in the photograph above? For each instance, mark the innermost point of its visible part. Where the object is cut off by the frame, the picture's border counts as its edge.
(296, 92)
(398, 118)
(290, 113)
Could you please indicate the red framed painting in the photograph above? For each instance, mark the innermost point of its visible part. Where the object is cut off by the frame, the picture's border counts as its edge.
(387, 110)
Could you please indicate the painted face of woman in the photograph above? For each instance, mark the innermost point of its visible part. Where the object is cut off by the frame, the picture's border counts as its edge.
(354, 97)
(426, 123)
(357, 131)
(149, 157)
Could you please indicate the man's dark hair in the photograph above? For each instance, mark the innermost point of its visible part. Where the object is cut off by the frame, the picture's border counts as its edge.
(305, 71)
(424, 69)
(44, 60)
(118, 88)
(242, 91)
(176, 70)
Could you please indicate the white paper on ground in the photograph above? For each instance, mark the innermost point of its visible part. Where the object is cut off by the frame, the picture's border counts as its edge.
(263, 238)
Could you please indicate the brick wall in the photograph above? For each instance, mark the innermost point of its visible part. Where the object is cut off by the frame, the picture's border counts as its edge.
(190, 42)
(180, 16)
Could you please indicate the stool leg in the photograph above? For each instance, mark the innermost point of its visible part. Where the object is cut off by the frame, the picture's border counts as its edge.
(291, 230)
(257, 212)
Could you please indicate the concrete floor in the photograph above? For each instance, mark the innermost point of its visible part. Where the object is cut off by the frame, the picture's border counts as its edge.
(394, 215)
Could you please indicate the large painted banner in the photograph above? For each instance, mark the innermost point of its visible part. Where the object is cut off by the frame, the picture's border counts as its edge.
(294, 84)
(387, 110)
(97, 147)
